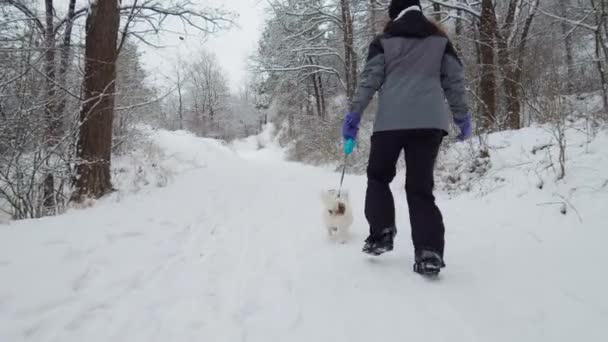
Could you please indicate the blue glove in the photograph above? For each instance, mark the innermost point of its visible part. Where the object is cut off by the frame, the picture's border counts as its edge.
(464, 124)
(349, 146)
(350, 128)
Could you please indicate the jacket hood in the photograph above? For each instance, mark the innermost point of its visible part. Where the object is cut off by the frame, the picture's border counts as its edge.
(414, 24)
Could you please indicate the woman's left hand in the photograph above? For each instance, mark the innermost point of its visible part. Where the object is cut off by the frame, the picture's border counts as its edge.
(350, 128)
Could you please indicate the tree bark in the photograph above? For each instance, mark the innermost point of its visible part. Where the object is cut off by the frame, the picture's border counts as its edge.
(181, 104)
(487, 32)
(563, 7)
(437, 10)
(93, 178)
(519, 66)
(373, 18)
(322, 93)
(317, 95)
(65, 56)
(512, 61)
(317, 83)
(49, 56)
(458, 28)
(601, 49)
(508, 66)
(50, 109)
(601, 69)
(350, 58)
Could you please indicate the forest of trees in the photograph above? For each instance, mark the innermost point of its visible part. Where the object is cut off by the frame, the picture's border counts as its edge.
(72, 87)
(203, 103)
(522, 57)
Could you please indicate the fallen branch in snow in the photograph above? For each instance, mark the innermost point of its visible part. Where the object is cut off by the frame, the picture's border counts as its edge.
(563, 207)
(540, 148)
(566, 201)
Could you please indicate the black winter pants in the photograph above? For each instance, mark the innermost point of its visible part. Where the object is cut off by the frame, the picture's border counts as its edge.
(421, 148)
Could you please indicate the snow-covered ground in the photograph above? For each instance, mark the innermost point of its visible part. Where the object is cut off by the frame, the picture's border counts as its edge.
(227, 245)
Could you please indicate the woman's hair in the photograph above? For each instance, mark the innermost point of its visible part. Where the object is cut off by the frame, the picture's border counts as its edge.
(440, 29)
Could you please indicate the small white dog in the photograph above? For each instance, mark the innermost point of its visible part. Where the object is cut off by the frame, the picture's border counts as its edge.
(337, 215)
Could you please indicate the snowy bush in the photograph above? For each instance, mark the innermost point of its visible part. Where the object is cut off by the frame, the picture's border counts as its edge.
(460, 166)
(143, 166)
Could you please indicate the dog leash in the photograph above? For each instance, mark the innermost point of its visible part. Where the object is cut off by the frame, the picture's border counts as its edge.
(343, 173)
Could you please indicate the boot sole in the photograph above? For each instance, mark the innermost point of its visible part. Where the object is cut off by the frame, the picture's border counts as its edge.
(427, 271)
(378, 252)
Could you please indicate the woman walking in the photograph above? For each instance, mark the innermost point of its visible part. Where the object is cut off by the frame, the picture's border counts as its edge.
(415, 68)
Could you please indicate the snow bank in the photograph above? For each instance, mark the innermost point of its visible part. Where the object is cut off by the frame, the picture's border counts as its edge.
(185, 147)
(162, 155)
(522, 161)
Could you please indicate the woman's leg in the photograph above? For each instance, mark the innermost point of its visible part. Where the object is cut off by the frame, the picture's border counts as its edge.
(421, 149)
(381, 169)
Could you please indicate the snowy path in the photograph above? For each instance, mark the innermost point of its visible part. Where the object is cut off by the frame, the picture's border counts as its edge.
(233, 250)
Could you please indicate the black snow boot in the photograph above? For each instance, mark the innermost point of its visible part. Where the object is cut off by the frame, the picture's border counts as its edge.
(381, 243)
(428, 263)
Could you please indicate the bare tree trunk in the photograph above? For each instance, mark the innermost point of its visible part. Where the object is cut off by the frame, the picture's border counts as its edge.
(311, 109)
(350, 58)
(318, 88)
(437, 10)
(181, 107)
(180, 112)
(563, 7)
(458, 28)
(322, 93)
(93, 178)
(487, 33)
(602, 36)
(65, 56)
(508, 66)
(601, 48)
(373, 18)
(518, 69)
(601, 68)
(50, 112)
(317, 96)
(49, 54)
(511, 60)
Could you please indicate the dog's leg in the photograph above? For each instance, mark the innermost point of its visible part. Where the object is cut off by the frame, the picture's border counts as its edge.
(331, 231)
(339, 235)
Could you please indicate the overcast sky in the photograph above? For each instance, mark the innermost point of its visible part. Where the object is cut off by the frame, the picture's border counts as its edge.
(231, 47)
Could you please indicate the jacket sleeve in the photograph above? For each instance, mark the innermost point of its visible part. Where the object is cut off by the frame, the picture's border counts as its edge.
(371, 79)
(453, 84)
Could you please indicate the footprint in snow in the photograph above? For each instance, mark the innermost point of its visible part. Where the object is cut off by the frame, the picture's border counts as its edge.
(83, 279)
(77, 254)
(127, 235)
(55, 243)
(45, 307)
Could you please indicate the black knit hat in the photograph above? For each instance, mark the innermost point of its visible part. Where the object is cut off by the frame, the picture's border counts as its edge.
(397, 6)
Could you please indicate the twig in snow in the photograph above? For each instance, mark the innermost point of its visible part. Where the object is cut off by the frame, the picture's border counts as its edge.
(540, 148)
(571, 206)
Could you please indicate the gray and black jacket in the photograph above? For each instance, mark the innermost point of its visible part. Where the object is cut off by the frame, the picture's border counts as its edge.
(415, 68)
